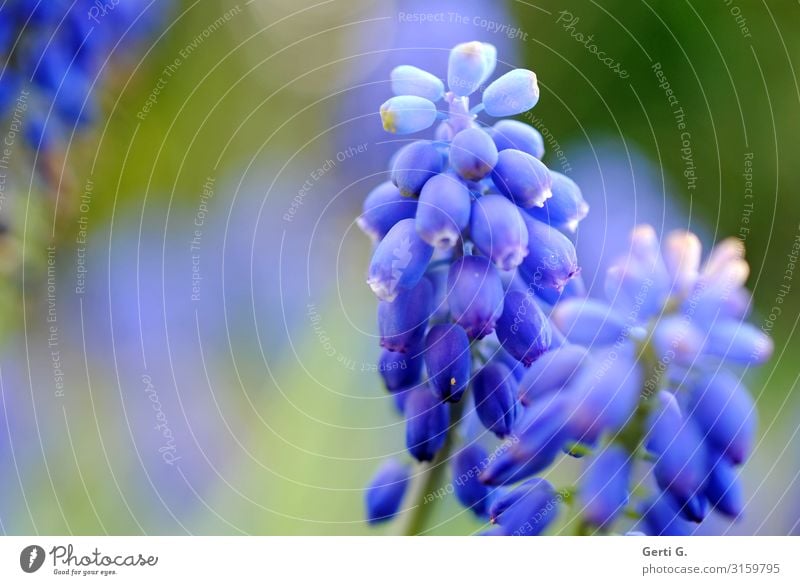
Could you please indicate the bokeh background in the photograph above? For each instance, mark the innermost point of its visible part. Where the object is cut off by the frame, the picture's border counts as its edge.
(205, 362)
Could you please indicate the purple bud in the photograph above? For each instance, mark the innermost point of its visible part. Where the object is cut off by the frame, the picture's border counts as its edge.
(551, 372)
(541, 432)
(443, 211)
(414, 164)
(532, 508)
(410, 80)
(676, 339)
(473, 154)
(427, 420)
(495, 393)
(522, 328)
(588, 322)
(565, 208)
(604, 485)
(681, 465)
(469, 65)
(399, 261)
(660, 518)
(384, 207)
(513, 93)
(722, 407)
(498, 231)
(385, 492)
(682, 250)
(447, 361)
(505, 497)
(574, 288)
(400, 370)
(475, 295)
(519, 136)
(551, 261)
(738, 342)
(522, 178)
(402, 322)
(467, 465)
(723, 488)
(604, 396)
(406, 114)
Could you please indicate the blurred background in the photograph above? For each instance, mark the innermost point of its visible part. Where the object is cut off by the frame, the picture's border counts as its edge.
(188, 343)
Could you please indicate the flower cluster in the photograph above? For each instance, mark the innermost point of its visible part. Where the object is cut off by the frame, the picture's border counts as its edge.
(471, 232)
(478, 288)
(54, 53)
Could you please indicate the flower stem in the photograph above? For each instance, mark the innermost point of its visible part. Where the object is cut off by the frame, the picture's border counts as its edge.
(429, 480)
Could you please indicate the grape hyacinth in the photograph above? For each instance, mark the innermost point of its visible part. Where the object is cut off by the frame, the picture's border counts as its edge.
(499, 359)
(56, 52)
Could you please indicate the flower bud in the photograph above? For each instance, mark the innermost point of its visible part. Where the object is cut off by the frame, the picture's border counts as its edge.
(604, 485)
(522, 178)
(738, 342)
(522, 328)
(551, 372)
(532, 509)
(384, 207)
(676, 339)
(467, 464)
(386, 490)
(427, 420)
(660, 518)
(443, 211)
(469, 65)
(588, 322)
(410, 80)
(473, 154)
(604, 396)
(551, 261)
(402, 322)
(447, 361)
(541, 432)
(399, 261)
(495, 393)
(565, 208)
(498, 231)
(519, 136)
(722, 407)
(475, 295)
(413, 165)
(513, 93)
(400, 370)
(406, 114)
(723, 488)
(682, 250)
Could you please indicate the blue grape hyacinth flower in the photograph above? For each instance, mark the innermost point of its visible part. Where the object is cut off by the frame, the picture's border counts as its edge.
(56, 54)
(519, 366)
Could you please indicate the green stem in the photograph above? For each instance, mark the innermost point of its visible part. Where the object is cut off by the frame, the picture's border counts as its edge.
(430, 479)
